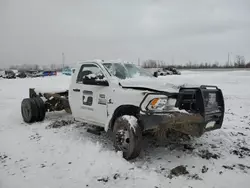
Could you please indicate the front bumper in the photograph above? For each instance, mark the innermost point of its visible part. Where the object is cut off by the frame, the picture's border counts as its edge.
(191, 124)
(195, 113)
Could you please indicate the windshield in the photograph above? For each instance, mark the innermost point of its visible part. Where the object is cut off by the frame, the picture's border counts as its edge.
(125, 70)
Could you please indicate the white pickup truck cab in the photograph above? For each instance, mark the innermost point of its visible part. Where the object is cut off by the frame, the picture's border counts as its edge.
(128, 100)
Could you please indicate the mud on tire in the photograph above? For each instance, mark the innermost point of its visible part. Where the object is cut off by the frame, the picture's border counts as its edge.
(126, 137)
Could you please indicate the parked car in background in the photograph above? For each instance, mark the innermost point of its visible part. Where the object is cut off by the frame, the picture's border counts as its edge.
(8, 74)
(162, 72)
(67, 71)
(166, 71)
(15, 71)
(174, 70)
(21, 74)
(48, 73)
(1, 73)
(33, 74)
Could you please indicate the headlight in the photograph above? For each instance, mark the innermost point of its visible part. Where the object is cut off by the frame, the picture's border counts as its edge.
(157, 103)
(161, 104)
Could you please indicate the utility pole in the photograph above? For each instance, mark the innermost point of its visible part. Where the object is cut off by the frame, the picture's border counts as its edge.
(229, 58)
(172, 60)
(63, 60)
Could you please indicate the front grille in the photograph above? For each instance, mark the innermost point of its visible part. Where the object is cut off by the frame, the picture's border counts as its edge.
(202, 100)
(187, 100)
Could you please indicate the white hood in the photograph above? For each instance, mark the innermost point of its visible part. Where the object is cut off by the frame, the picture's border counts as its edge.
(151, 83)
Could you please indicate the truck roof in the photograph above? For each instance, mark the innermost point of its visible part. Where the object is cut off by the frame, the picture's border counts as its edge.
(89, 61)
(102, 61)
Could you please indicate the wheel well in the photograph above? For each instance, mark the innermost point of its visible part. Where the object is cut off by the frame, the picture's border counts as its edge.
(124, 110)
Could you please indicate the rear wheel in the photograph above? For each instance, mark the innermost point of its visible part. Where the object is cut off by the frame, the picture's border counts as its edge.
(29, 110)
(127, 136)
(40, 108)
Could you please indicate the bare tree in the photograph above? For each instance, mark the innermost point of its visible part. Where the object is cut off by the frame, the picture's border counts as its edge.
(239, 61)
(149, 64)
(248, 65)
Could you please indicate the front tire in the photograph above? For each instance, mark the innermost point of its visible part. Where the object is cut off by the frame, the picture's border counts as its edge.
(127, 136)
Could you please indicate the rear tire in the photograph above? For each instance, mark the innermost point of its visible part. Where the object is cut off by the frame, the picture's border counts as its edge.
(29, 110)
(40, 108)
(127, 137)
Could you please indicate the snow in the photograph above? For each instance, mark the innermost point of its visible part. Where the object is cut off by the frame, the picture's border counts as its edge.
(132, 121)
(35, 156)
(174, 109)
(91, 76)
(101, 79)
(49, 85)
(50, 90)
(87, 61)
(161, 84)
(97, 77)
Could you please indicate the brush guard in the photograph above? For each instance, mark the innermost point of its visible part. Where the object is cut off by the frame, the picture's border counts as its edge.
(196, 110)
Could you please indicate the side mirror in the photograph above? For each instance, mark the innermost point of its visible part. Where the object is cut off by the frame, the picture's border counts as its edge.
(93, 79)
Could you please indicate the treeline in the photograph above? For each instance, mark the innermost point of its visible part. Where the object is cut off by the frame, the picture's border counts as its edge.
(238, 63)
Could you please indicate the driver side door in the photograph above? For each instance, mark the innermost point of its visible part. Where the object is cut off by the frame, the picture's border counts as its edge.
(91, 105)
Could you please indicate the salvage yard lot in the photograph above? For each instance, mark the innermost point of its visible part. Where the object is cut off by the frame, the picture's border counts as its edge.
(68, 156)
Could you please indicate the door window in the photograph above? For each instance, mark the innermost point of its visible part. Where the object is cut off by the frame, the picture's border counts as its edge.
(88, 70)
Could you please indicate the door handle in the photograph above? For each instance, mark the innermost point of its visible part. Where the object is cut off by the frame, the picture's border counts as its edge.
(76, 90)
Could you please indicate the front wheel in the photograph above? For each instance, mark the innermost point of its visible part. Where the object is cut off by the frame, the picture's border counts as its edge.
(127, 136)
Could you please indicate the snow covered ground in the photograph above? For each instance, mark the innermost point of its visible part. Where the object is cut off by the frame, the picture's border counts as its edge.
(38, 156)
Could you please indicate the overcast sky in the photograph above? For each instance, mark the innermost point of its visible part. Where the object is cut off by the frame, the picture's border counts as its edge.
(38, 31)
